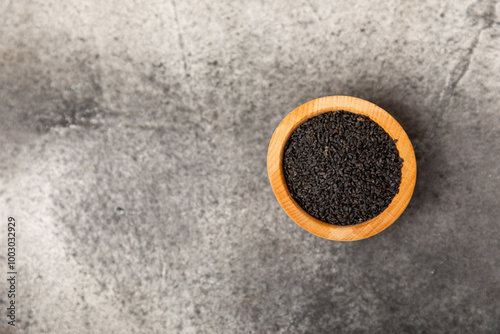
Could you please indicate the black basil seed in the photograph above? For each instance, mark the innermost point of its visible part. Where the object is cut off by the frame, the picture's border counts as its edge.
(342, 168)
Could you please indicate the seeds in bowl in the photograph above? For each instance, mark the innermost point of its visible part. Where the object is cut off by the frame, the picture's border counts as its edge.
(342, 168)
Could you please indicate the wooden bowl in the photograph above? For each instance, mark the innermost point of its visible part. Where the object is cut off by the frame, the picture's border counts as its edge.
(313, 225)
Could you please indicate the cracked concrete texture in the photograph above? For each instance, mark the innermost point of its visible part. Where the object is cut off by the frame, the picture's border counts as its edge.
(133, 152)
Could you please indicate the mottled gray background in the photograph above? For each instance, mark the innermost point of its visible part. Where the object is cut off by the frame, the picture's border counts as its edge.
(133, 152)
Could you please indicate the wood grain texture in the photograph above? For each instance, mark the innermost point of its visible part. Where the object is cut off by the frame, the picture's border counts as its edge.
(313, 225)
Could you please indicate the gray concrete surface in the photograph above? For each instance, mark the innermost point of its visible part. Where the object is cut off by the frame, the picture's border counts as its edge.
(133, 152)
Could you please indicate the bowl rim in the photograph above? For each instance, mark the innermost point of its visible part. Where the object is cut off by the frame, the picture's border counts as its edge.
(296, 213)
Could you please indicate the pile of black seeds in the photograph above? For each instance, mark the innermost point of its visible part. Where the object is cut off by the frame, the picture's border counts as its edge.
(342, 168)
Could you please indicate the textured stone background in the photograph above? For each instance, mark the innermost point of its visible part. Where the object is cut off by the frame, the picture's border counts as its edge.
(133, 152)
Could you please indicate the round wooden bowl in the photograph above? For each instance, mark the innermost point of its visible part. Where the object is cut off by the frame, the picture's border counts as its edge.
(313, 225)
